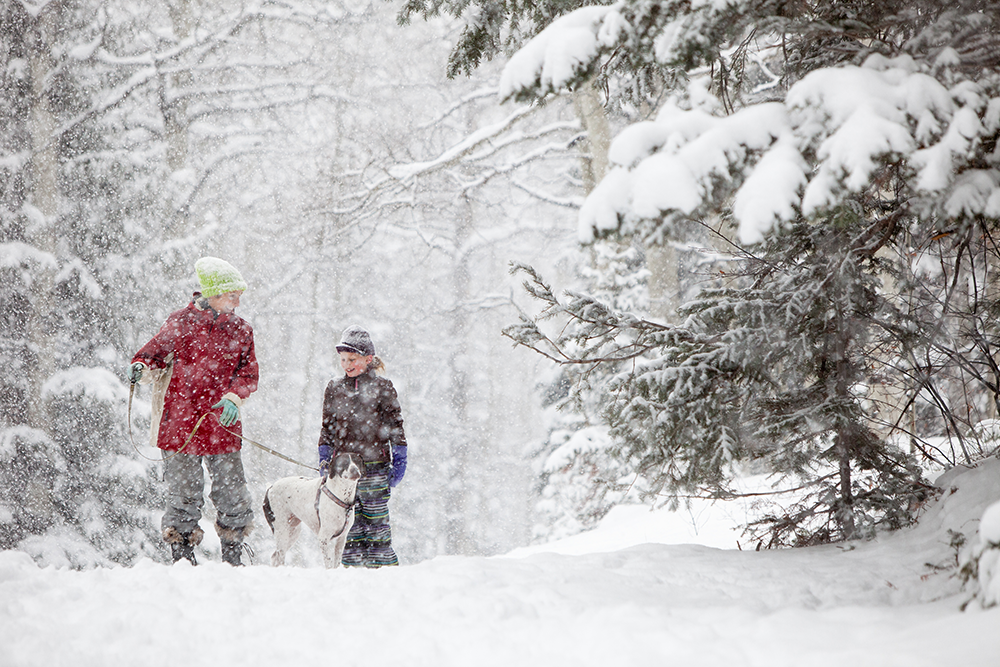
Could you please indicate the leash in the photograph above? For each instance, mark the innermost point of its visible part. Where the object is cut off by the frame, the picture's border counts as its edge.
(260, 446)
(131, 391)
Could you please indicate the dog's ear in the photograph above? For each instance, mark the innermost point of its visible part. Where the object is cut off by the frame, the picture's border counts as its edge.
(359, 464)
(340, 462)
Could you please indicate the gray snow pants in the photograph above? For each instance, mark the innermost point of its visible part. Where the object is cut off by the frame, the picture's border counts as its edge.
(186, 492)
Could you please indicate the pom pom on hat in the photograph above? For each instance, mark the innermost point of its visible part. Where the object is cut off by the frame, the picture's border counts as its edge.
(218, 276)
(356, 340)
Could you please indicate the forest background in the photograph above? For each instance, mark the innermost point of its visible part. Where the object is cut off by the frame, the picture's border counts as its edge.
(308, 144)
(320, 148)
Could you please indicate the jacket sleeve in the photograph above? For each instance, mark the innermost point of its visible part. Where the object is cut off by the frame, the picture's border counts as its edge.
(327, 432)
(157, 352)
(246, 375)
(392, 416)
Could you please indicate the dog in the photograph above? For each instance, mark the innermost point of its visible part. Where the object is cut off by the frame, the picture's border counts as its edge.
(325, 504)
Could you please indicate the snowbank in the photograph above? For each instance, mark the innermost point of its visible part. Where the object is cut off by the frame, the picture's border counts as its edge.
(876, 603)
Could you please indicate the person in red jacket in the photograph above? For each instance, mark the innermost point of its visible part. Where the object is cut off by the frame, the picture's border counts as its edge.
(203, 366)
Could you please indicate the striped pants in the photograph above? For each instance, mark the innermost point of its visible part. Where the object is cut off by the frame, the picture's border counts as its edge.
(369, 543)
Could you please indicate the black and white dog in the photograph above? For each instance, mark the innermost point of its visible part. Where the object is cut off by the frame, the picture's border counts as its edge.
(325, 504)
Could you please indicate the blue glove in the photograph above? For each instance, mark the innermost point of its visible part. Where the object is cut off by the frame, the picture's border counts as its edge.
(230, 413)
(135, 371)
(398, 467)
(325, 456)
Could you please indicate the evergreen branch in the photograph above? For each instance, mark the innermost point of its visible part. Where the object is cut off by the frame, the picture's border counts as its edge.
(726, 494)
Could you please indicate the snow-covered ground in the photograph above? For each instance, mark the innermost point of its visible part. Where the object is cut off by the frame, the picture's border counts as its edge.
(625, 594)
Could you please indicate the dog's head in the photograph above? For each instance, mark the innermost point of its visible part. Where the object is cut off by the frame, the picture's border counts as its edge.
(348, 466)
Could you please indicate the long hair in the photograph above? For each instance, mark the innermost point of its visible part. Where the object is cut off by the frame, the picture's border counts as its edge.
(377, 365)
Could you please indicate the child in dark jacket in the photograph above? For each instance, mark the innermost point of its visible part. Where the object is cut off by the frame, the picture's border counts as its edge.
(361, 415)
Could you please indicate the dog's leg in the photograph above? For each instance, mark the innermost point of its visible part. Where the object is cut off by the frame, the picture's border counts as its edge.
(328, 545)
(333, 549)
(331, 559)
(338, 548)
(336, 545)
(332, 545)
(285, 534)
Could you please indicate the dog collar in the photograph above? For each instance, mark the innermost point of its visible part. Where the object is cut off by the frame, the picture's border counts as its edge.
(329, 494)
(323, 490)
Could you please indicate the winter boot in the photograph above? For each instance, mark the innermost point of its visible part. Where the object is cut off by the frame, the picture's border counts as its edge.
(232, 542)
(231, 552)
(182, 544)
(184, 550)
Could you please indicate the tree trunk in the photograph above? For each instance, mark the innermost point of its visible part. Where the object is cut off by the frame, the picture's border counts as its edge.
(43, 204)
(174, 108)
(458, 537)
(590, 110)
(173, 105)
(664, 281)
(41, 208)
(846, 431)
(845, 504)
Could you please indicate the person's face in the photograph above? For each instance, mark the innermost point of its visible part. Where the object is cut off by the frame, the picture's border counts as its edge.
(225, 303)
(354, 364)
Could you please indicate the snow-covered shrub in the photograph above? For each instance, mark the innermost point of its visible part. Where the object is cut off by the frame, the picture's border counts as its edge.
(29, 463)
(985, 440)
(580, 482)
(979, 562)
(76, 495)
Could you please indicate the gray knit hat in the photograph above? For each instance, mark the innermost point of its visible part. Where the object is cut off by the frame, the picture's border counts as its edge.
(356, 340)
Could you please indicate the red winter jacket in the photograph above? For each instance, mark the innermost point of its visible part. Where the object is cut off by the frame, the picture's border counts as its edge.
(213, 358)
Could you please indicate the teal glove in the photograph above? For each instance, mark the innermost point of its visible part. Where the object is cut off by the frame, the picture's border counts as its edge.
(230, 413)
(135, 371)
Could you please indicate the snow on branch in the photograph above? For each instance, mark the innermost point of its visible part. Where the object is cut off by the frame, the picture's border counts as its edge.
(109, 101)
(479, 94)
(25, 258)
(673, 164)
(523, 160)
(150, 64)
(822, 145)
(564, 202)
(601, 334)
(483, 136)
(484, 155)
(564, 52)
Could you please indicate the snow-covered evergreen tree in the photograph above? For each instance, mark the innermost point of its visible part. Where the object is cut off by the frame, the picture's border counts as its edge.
(492, 27)
(69, 189)
(579, 477)
(839, 138)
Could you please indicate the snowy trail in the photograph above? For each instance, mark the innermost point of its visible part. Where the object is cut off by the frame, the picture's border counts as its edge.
(874, 603)
(678, 605)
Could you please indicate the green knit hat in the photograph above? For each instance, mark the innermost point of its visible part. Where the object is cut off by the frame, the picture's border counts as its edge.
(218, 276)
